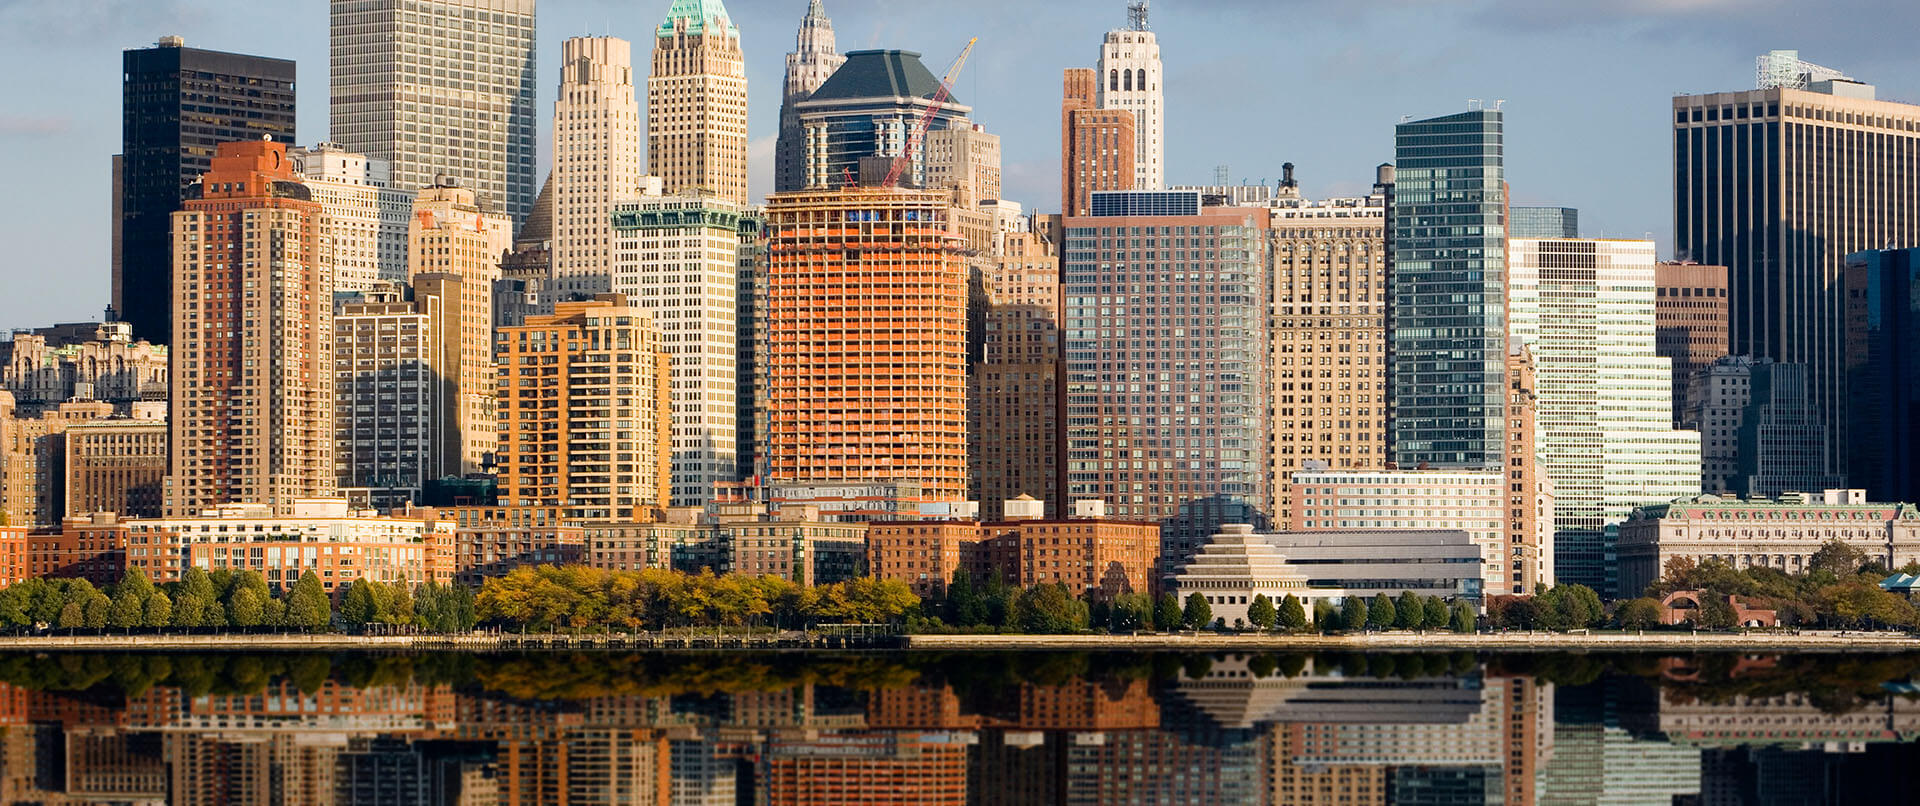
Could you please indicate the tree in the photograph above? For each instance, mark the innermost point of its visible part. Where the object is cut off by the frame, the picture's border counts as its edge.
(189, 607)
(1463, 617)
(158, 612)
(1261, 612)
(197, 583)
(307, 605)
(1325, 617)
(96, 608)
(1436, 616)
(72, 616)
(247, 609)
(1716, 613)
(358, 607)
(1166, 613)
(130, 600)
(1380, 612)
(1050, 610)
(1837, 558)
(1408, 611)
(1638, 614)
(397, 604)
(1292, 616)
(1198, 614)
(1353, 613)
(962, 606)
(1130, 611)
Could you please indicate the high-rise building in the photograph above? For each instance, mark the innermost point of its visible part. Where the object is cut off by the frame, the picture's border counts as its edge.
(1717, 397)
(585, 413)
(1015, 413)
(676, 259)
(1584, 308)
(813, 59)
(1543, 222)
(450, 235)
(364, 229)
(1780, 184)
(749, 292)
(1782, 442)
(439, 88)
(1329, 351)
(252, 390)
(1130, 66)
(1689, 321)
(33, 459)
(967, 159)
(1446, 315)
(1529, 492)
(869, 108)
(1096, 145)
(1167, 398)
(865, 347)
(394, 390)
(697, 102)
(176, 104)
(117, 464)
(526, 286)
(596, 158)
(1883, 373)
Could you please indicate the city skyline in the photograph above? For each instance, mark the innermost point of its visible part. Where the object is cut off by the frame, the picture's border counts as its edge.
(1615, 127)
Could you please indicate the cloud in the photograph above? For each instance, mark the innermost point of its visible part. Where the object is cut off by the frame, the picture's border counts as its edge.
(28, 126)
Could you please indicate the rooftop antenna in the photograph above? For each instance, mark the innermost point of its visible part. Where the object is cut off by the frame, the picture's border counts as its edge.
(1497, 102)
(1474, 105)
(1220, 175)
(1137, 16)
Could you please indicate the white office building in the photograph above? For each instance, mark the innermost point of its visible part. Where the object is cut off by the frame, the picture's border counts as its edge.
(1129, 78)
(364, 228)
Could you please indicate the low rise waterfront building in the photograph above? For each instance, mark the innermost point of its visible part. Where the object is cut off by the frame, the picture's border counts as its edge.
(1470, 501)
(1089, 553)
(92, 547)
(792, 543)
(1237, 565)
(490, 541)
(1781, 533)
(320, 535)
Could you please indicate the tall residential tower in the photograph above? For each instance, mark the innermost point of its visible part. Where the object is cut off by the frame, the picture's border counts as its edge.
(439, 87)
(596, 158)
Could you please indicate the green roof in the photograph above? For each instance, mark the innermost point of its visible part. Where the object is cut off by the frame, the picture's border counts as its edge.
(880, 74)
(697, 13)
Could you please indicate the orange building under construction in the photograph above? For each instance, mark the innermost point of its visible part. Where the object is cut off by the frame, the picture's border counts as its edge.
(866, 348)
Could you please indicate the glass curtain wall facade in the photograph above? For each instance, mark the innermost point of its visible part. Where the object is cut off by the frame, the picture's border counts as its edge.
(1447, 347)
(1167, 376)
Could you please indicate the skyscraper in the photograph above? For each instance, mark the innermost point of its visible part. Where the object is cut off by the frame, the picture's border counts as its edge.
(596, 158)
(697, 103)
(1779, 184)
(365, 226)
(1096, 145)
(869, 108)
(391, 387)
(1782, 441)
(813, 59)
(1584, 308)
(451, 236)
(865, 337)
(1543, 222)
(676, 257)
(177, 103)
(1015, 411)
(604, 454)
(439, 87)
(1446, 315)
(1167, 398)
(1690, 323)
(1883, 372)
(252, 389)
(1130, 66)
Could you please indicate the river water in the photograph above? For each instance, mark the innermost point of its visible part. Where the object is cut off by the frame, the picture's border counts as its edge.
(1031, 728)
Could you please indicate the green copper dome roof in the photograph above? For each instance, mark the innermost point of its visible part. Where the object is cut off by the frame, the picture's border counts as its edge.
(880, 74)
(697, 13)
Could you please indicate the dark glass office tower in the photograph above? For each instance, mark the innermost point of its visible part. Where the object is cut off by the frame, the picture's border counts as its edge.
(1447, 293)
(1779, 185)
(177, 103)
(1883, 373)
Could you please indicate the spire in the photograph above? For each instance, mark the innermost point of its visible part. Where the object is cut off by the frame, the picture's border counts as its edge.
(816, 12)
(697, 15)
(1137, 16)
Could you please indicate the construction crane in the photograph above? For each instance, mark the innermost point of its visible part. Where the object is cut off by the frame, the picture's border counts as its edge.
(919, 134)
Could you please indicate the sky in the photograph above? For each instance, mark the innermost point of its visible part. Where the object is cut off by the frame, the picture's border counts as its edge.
(1249, 84)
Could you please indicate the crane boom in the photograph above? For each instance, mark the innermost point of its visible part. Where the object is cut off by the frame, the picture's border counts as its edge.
(919, 134)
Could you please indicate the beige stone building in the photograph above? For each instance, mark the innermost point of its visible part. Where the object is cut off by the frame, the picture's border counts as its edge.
(252, 382)
(45, 367)
(586, 418)
(449, 235)
(1015, 412)
(1690, 312)
(117, 464)
(792, 543)
(33, 460)
(597, 157)
(1329, 337)
(697, 102)
(967, 159)
(322, 535)
(1781, 533)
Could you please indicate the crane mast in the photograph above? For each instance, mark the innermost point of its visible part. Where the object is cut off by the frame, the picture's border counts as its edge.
(919, 134)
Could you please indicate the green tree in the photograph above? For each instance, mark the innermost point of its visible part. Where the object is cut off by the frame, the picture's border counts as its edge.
(307, 604)
(1325, 617)
(1716, 613)
(1380, 612)
(1638, 614)
(1050, 610)
(1408, 611)
(45, 607)
(189, 607)
(247, 609)
(1463, 617)
(1130, 612)
(72, 616)
(1436, 616)
(158, 612)
(96, 608)
(195, 582)
(1197, 614)
(1578, 606)
(397, 604)
(358, 607)
(1167, 613)
(1353, 614)
(1261, 612)
(130, 600)
(1837, 558)
(962, 605)
(1292, 616)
